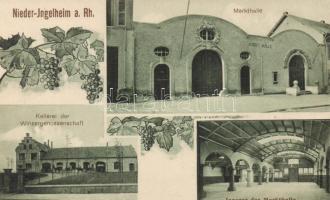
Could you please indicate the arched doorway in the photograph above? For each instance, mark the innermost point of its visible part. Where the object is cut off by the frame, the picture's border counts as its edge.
(86, 165)
(59, 166)
(73, 165)
(161, 82)
(100, 167)
(216, 168)
(206, 73)
(297, 71)
(46, 167)
(241, 171)
(245, 80)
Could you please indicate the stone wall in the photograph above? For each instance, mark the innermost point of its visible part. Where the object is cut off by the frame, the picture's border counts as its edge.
(137, 59)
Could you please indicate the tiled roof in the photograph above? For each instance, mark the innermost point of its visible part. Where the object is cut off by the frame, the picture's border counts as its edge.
(89, 152)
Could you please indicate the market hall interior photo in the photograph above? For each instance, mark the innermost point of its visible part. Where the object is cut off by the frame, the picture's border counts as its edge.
(264, 159)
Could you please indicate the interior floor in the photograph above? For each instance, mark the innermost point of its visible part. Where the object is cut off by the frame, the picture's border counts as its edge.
(295, 191)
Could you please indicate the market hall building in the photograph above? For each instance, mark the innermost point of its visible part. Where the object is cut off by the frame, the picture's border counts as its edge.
(259, 159)
(33, 156)
(204, 55)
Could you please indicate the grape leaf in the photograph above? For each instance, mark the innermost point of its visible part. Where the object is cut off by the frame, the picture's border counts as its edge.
(62, 49)
(54, 34)
(66, 46)
(19, 55)
(33, 77)
(156, 120)
(130, 118)
(79, 62)
(68, 63)
(7, 43)
(100, 55)
(117, 127)
(97, 44)
(187, 136)
(169, 128)
(25, 76)
(77, 35)
(165, 140)
(114, 126)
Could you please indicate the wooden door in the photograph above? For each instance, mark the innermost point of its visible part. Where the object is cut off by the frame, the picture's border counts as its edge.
(112, 74)
(297, 71)
(161, 82)
(245, 80)
(206, 73)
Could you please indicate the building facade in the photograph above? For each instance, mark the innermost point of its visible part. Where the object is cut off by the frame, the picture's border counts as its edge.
(204, 55)
(33, 156)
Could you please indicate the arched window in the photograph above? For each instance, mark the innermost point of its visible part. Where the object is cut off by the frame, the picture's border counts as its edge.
(207, 34)
(161, 51)
(327, 40)
(245, 55)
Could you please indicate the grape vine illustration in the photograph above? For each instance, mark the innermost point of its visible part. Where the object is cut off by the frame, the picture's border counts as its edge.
(72, 52)
(155, 129)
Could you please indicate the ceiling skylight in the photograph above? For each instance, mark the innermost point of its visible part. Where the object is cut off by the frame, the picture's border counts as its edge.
(290, 153)
(280, 137)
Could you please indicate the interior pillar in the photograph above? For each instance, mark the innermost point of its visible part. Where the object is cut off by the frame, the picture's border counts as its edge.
(259, 178)
(273, 177)
(321, 178)
(248, 178)
(231, 180)
(267, 177)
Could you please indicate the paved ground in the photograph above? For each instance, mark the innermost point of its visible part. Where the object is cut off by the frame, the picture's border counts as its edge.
(68, 197)
(295, 191)
(265, 103)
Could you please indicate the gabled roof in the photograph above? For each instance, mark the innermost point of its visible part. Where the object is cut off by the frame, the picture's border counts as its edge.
(40, 146)
(321, 27)
(89, 152)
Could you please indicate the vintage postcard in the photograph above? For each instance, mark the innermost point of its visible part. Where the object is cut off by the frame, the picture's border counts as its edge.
(166, 100)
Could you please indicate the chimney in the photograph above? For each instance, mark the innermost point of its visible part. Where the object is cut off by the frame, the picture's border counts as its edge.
(322, 21)
(51, 144)
(48, 143)
(285, 13)
(27, 134)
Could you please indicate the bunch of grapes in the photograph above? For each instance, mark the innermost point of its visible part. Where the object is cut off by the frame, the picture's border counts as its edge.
(147, 138)
(93, 85)
(50, 70)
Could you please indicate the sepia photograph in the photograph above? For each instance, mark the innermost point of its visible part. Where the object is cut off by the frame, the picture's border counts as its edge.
(56, 152)
(263, 159)
(219, 56)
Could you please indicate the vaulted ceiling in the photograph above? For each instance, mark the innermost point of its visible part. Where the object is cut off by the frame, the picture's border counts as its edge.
(267, 139)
